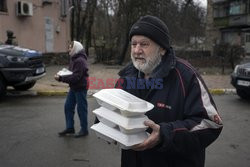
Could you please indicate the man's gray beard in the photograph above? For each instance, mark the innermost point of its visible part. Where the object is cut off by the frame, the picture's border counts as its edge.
(150, 64)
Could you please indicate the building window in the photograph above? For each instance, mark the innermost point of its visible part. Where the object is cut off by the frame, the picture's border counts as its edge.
(247, 38)
(237, 7)
(220, 11)
(3, 6)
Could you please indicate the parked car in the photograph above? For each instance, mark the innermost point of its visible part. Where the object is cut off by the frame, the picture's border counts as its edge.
(240, 79)
(19, 68)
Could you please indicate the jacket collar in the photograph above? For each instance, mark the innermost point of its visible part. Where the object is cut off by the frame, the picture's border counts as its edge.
(79, 54)
(162, 70)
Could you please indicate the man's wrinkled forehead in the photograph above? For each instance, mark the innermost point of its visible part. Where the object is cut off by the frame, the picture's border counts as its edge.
(140, 37)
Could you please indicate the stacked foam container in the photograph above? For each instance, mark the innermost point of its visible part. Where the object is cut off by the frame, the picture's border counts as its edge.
(64, 72)
(121, 117)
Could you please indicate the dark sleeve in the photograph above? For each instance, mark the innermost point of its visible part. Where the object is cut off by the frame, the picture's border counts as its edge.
(78, 70)
(200, 126)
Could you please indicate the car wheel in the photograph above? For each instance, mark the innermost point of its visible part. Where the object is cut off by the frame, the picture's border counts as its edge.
(25, 86)
(243, 94)
(2, 87)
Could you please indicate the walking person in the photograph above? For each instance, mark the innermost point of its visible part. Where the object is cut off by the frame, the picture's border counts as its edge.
(76, 96)
(184, 120)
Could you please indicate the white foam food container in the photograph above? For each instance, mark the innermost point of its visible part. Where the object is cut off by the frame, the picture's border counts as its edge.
(126, 141)
(127, 125)
(129, 104)
(64, 72)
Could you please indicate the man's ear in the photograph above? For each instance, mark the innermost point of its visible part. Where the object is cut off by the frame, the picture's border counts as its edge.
(162, 51)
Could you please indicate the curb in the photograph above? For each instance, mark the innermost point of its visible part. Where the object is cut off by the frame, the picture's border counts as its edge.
(52, 93)
(91, 92)
(222, 91)
(15, 93)
(62, 93)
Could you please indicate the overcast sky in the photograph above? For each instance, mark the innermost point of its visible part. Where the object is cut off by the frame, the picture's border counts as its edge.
(203, 2)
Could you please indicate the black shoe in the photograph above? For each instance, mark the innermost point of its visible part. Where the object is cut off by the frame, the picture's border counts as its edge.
(67, 132)
(81, 134)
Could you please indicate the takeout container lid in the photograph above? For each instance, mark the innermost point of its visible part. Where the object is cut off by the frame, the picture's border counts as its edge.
(122, 100)
(126, 125)
(64, 72)
(125, 140)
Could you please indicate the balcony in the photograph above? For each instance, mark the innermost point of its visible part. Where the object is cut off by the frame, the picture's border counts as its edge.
(221, 22)
(239, 20)
(218, 1)
(232, 21)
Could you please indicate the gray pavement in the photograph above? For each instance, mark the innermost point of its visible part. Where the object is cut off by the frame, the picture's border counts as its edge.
(29, 137)
(217, 84)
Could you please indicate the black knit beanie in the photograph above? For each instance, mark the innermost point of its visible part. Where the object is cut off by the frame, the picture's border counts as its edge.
(153, 28)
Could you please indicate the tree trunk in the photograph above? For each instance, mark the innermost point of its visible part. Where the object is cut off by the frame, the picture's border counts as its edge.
(72, 22)
(78, 19)
(124, 50)
(90, 23)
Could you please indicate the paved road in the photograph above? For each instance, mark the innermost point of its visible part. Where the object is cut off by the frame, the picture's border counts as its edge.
(29, 127)
(28, 137)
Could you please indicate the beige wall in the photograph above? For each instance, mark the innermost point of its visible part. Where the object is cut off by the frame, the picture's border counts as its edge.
(30, 30)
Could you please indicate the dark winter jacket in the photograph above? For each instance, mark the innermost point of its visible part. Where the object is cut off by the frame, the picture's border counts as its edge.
(183, 108)
(78, 65)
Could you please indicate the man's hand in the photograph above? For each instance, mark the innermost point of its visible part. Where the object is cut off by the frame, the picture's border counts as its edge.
(57, 77)
(152, 140)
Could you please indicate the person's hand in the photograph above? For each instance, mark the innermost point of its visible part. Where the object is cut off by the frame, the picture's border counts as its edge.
(152, 140)
(57, 77)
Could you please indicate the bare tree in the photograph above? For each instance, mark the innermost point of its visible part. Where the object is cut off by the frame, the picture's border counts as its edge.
(82, 20)
(91, 9)
(113, 19)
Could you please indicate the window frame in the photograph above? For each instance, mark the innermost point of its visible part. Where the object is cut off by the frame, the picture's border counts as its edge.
(3, 6)
(237, 8)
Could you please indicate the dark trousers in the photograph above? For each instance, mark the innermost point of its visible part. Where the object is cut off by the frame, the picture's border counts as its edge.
(76, 98)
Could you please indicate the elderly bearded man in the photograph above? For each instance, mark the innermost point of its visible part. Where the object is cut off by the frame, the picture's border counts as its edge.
(184, 120)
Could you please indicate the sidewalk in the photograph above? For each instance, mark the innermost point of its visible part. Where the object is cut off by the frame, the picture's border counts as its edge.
(49, 86)
(217, 84)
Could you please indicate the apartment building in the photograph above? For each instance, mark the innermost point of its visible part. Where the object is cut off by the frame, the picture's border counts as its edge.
(229, 21)
(42, 25)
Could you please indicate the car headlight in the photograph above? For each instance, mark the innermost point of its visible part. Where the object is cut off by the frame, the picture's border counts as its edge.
(16, 59)
(236, 69)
